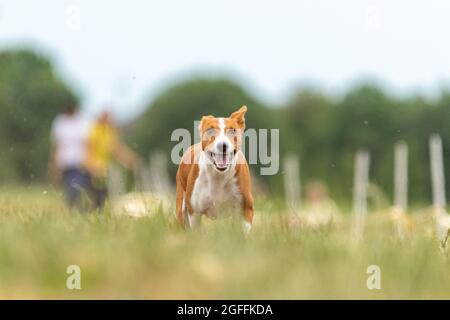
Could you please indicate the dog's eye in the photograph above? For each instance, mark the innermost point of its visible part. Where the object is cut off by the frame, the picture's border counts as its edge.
(231, 132)
(209, 133)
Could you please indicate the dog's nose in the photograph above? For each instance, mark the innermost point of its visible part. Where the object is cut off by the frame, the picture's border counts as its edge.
(222, 147)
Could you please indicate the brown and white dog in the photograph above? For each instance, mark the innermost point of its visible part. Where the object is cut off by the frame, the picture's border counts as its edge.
(213, 175)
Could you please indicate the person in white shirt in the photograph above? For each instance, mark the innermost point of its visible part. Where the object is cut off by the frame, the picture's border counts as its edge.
(67, 155)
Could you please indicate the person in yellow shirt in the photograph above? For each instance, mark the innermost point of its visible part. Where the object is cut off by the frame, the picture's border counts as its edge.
(103, 146)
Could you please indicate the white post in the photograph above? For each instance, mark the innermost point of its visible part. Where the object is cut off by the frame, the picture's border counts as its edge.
(360, 185)
(442, 219)
(292, 182)
(143, 179)
(158, 173)
(401, 176)
(116, 181)
(437, 173)
(400, 184)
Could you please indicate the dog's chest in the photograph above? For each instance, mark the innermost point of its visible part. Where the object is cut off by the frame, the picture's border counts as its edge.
(215, 196)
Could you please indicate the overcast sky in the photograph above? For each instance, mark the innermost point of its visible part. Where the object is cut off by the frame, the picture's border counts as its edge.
(125, 52)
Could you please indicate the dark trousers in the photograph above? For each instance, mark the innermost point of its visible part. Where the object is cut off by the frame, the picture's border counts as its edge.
(76, 183)
(98, 191)
(84, 192)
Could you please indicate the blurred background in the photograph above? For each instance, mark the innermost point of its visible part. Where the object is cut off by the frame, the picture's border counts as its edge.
(333, 77)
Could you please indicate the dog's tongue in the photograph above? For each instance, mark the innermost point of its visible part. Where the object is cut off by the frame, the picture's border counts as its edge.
(221, 160)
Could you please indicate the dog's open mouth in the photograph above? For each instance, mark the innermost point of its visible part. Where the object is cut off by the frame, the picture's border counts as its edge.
(220, 160)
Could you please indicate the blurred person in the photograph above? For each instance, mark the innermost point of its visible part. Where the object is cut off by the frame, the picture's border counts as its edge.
(103, 145)
(319, 207)
(67, 154)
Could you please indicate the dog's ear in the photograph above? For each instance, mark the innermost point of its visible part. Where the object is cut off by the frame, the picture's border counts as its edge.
(239, 116)
(203, 120)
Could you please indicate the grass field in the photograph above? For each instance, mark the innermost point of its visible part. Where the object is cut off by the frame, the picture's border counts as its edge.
(150, 257)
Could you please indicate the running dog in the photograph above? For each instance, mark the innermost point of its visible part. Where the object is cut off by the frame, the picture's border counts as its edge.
(213, 176)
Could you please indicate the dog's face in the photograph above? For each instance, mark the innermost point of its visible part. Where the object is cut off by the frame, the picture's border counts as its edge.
(222, 138)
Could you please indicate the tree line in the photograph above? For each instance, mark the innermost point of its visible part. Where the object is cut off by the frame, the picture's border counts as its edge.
(325, 131)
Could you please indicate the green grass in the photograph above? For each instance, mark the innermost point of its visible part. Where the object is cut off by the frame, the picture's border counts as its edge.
(123, 257)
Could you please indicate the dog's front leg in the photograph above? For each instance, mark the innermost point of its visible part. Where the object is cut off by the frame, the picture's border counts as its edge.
(243, 174)
(195, 219)
(247, 214)
(247, 218)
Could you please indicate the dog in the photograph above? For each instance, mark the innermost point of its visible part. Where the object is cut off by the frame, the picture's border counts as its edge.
(213, 175)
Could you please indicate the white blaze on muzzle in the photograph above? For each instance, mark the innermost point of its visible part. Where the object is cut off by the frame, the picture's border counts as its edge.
(222, 139)
(222, 147)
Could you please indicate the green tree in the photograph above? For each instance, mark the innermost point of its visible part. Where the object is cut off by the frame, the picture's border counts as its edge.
(308, 127)
(31, 94)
